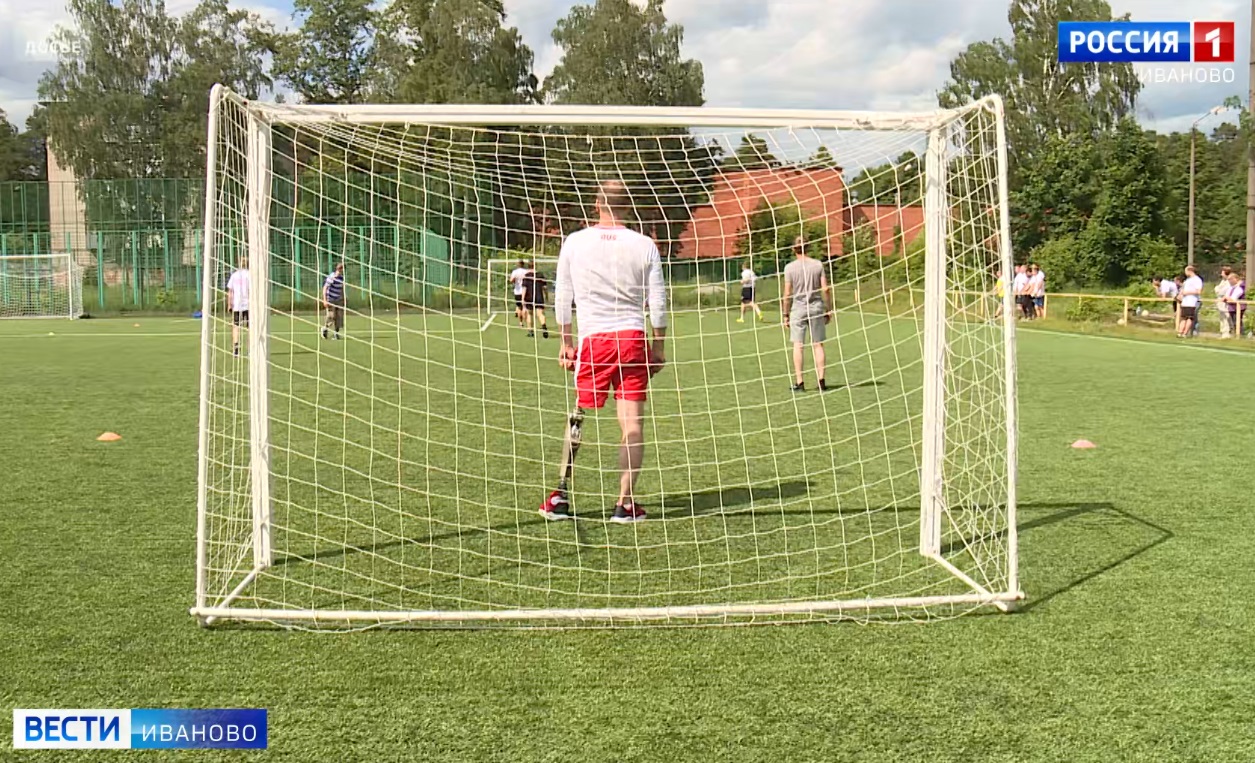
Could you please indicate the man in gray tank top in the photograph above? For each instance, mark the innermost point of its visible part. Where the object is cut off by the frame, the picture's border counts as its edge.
(807, 310)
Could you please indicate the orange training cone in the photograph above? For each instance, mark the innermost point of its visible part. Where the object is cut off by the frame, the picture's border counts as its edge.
(1084, 444)
(109, 437)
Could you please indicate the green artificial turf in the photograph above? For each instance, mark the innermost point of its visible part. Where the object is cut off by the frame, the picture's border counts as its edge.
(1134, 643)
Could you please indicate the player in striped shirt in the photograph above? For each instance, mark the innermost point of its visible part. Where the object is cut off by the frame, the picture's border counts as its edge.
(333, 301)
(610, 273)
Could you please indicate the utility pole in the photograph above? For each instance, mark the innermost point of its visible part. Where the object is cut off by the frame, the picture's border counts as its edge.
(1250, 159)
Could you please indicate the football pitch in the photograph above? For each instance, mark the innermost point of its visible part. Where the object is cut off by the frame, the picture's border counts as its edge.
(1134, 643)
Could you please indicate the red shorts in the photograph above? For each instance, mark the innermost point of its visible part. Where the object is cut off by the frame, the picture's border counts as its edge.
(619, 359)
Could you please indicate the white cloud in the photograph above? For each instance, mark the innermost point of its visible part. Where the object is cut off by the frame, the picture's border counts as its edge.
(850, 54)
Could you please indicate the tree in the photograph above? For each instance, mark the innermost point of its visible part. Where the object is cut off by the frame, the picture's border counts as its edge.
(823, 159)
(129, 100)
(21, 153)
(329, 58)
(131, 87)
(1043, 97)
(614, 52)
(894, 182)
(1057, 192)
(451, 51)
(753, 153)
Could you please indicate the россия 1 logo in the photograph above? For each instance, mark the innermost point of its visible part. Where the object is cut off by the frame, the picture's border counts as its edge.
(1202, 42)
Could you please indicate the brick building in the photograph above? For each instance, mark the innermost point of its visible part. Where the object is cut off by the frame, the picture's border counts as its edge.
(717, 226)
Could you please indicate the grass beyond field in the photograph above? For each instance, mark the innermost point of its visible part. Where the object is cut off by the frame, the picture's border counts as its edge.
(1135, 643)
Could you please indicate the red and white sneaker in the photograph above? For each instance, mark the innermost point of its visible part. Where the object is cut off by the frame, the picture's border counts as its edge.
(627, 514)
(556, 507)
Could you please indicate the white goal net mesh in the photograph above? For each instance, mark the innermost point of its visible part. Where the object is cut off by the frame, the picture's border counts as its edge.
(394, 476)
(40, 286)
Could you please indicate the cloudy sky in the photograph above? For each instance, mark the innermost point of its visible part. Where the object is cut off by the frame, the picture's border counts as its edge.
(850, 54)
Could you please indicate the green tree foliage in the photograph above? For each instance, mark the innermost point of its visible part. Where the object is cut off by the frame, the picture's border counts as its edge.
(1044, 98)
(1109, 227)
(753, 153)
(616, 52)
(130, 97)
(450, 51)
(330, 56)
(889, 183)
(772, 230)
(21, 153)
(1057, 192)
(823, 159)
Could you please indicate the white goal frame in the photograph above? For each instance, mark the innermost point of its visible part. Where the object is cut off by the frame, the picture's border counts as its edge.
(260, 118)
(73, 308)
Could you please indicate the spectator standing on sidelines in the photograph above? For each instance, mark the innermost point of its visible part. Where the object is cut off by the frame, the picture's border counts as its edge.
(1167, 289)
(1019, 287)
(1233, 304)
(1191, 294)
(1177, 281)
(1037, 290)
(1222, 306)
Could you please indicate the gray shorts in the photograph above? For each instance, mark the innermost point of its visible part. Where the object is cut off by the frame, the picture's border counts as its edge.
(809, 318)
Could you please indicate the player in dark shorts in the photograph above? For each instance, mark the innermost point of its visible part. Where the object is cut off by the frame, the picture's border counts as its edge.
(535, 294)
(239, 317)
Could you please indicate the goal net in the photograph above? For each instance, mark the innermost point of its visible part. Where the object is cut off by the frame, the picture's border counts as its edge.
(40, 286)
(394, 477)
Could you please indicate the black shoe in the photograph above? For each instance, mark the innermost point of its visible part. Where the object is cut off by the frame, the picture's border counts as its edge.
(800, 386)
(337, 336)
(627, 514)
(531, 333)
(236, 350)
(823, 386)
(324, 333)
(545, 333)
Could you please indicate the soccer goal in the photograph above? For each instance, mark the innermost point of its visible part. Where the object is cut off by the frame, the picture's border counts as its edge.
(40, 286)
(394, 478)
(499, 292)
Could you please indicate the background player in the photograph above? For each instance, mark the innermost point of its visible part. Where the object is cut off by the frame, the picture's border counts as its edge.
(609, 272)
(333, 301)
(535, 292)
(806, 285)
(515, 279)
(748, 279)
(237, 302)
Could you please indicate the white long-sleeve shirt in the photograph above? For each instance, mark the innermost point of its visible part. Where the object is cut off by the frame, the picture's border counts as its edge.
(610, 273)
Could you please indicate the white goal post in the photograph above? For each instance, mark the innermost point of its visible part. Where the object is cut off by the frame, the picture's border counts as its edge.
(40, 286)
(393, 478)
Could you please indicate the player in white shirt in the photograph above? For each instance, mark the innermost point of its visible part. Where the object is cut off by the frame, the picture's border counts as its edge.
(748, 280)
(1019, 287)
(609, 273)
(1037, 290)
(515, 279)
(237, 301)
(1191, 291)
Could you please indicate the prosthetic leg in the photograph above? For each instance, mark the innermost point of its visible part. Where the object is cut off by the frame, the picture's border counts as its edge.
(558, 506)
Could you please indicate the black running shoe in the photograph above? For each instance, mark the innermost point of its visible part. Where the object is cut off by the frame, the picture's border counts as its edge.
(545, 334)
(823, 386)
(626, 515)
(799, 386)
